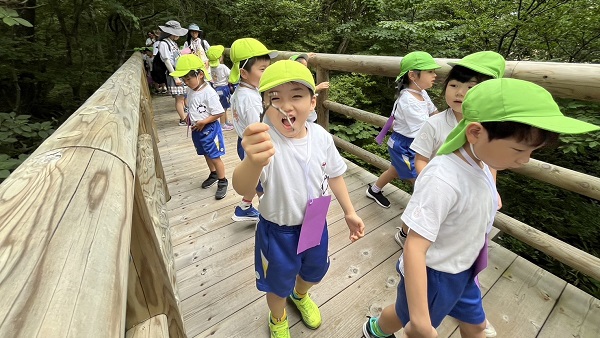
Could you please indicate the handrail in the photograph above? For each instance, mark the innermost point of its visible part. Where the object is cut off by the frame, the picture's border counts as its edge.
(66, 222)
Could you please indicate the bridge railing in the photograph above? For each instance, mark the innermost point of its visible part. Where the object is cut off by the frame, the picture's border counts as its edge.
(85, 249)
(565, 80)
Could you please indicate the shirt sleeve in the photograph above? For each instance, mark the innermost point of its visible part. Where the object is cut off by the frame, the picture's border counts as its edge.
(214, 104)
(429, 206)
(424, 142)
(253, 112)
(335, 163)
(164, 50)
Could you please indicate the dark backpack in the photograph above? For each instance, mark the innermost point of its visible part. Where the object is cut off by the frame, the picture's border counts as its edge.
(159, 69)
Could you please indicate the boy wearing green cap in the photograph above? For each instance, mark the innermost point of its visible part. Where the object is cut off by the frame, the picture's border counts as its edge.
(297, 163)
(250, 59)
(204, 110)
(455, 200)
(220, 80)
(411, 109)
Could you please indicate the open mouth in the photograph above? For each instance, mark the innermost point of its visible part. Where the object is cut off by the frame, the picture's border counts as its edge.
(288, 124)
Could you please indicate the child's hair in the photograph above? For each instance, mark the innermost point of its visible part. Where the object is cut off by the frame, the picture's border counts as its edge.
(248, 63)
(463, 74)
(404, 82)
(163, 35)
(520, 132)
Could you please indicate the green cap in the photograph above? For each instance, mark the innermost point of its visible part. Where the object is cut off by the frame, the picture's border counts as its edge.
(187, 63)
(416, 61)
(486, 62)
(243, 49)
(500, 100)
(285, 71)
(214, 53)
(299, 56)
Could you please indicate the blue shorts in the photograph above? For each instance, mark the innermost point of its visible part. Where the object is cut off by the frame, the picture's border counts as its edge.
(209, 141)
(402, 157)
(277, 263)
(241, 155)
(224, 95)
(448, 294)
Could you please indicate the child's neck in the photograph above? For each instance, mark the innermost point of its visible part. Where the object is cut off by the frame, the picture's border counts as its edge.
(415, 91)
(200, 86)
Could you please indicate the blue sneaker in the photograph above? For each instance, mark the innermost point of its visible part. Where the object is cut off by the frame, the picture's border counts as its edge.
(250, 214)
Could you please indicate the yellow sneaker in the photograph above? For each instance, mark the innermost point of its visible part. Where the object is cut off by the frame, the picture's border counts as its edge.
(311, 315)
(280, 330)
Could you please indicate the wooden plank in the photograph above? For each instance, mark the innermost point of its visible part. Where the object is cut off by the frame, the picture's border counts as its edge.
(65, 245)
(155, 327)
(577, 314)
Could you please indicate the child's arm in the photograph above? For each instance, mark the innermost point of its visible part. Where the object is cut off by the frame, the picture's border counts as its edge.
(420, 162)
(199, 125)
(355, 223)
(415, 273)
(259, 150)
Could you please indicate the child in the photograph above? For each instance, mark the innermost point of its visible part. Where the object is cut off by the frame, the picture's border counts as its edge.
(196, 43)
(169, 53)
(204, 112)
(411, 109)
(303, 59)
(455, 200)
(466, 73)
(292, 152)
(220, 75)
(250, 59)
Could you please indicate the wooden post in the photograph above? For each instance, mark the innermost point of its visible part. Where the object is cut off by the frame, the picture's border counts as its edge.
(322, 112)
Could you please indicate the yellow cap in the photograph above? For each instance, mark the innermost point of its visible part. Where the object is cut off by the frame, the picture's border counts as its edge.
(243, 49)
(214, 54)
(285, 71)
(187, 63)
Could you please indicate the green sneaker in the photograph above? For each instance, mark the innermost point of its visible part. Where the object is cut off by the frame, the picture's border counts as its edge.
(311, 315)
(281, 330)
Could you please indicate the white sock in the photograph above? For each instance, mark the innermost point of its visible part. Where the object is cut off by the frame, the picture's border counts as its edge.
(245, 204)
(375, 188)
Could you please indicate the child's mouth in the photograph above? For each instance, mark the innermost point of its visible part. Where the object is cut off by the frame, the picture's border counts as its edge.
(286, 123)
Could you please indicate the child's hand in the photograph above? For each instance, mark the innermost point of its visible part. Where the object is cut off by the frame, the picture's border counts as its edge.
(257, 144)
(198, 126)
(178, 81)
(356, 226)
(321, 86)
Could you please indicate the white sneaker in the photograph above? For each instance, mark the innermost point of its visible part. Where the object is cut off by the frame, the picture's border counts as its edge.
(399, 238)
(489, 331)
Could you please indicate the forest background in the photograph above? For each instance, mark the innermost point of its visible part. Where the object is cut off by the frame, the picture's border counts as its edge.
(54, 54)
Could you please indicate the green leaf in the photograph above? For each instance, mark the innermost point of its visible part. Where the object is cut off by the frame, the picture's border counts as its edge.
(9, 21)
(4, 174)
(23, 22)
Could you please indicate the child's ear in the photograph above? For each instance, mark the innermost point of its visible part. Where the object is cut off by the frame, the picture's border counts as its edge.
(313, 102)
(243, 73)
(474, 132)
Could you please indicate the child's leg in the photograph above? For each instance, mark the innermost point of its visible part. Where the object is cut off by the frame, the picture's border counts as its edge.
(210, 164)
(302, 286)
(216, 164)
(388, 320)
(471, 330)
(223, 119)
(385, 178)
(276, 306)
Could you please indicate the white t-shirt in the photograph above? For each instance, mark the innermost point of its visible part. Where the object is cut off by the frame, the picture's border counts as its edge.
(203, 103)
(246, 107)
(433, 134)
(155, 47)
(220, 75)
(197, 48)
(451, 206)
(284, 180)
(410, 114)
(169, 50)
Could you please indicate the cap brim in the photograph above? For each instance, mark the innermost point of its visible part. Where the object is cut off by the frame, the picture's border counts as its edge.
(474, 67)
(179, 73)
(214, 63)
(284, 80)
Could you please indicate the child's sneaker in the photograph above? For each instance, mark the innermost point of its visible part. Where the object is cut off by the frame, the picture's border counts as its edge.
(311, 315)
(250, 214)
(399, 238)
(489, 331)
(182, 123)
(367, 333)
(221, 189)
(280, 330)
(227, 127)
(210, 181)
(378, 197)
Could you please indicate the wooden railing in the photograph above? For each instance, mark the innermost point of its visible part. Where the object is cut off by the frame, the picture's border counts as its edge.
(85, 249)
(565, 80)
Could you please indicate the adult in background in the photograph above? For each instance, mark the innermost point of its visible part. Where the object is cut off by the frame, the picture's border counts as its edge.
(197, 44)
(151, 39)
(169, 53)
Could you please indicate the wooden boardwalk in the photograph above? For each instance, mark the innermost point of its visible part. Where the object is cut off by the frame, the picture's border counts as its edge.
(215, 273)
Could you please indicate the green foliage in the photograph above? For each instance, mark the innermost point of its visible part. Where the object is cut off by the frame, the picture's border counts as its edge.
(18, 138)
(357, 132)
(11, 18)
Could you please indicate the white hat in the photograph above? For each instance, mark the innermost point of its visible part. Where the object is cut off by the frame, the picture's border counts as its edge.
(174, 28)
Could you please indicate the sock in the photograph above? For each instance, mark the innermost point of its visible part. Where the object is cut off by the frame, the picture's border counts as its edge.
(222, 180)
(278, 320)
(375, 328)
(375, 188)
(245, 204)
(297, 295)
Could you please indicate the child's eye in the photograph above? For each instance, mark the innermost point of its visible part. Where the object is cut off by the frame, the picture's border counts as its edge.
(298, 96)
(274, 98)
(452, 85)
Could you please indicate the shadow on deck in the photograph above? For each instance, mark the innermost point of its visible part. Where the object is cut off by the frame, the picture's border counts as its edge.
(215, 273)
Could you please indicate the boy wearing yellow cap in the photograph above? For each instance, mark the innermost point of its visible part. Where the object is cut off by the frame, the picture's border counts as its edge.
(297, 163)
(204, 111)
(250, 59)
(220, 79)
(455, 200)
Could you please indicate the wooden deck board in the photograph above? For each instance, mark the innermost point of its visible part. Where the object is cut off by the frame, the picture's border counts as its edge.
(215, 273)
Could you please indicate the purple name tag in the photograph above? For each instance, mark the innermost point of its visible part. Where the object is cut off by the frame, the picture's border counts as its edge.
(314, 223)
(384, 130)
(482, 260)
